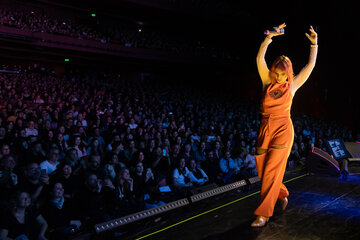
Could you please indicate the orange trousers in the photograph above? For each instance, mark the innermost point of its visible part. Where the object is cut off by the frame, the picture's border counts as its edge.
(276, 135)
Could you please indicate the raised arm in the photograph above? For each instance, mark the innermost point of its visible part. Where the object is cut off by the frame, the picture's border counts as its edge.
(260, 58)
(304, 74)
(261, 63)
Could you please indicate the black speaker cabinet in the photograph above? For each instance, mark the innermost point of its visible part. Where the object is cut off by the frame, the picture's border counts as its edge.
(320, 162)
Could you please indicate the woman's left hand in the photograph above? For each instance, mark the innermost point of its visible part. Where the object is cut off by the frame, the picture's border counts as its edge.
(313, 36)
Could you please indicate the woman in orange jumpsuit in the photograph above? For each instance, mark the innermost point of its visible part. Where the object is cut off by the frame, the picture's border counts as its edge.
(276, 134)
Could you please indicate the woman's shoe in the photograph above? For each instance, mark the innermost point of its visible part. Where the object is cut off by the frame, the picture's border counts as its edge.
(284, 202)
(260, 221)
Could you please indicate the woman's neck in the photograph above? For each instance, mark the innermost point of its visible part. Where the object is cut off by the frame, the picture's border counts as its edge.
(34, 181)
(19, 210)
(58, 199)
(67, 176)
(52, 161)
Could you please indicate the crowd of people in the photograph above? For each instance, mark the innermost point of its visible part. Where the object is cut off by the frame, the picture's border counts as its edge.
(77, 150)
(133, 36)
(38, 21)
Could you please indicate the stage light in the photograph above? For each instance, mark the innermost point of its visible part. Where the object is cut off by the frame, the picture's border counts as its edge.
(254, 180)
(105, 226)
(93, 14)
(67, 60)
(216, 191)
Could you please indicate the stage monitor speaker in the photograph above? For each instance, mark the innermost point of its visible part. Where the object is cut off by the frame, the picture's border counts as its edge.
(354, 160)
(321, 162)
(353, 148)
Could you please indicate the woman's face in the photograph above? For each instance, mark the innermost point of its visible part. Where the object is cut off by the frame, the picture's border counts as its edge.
(60, 137)
(139, 167)
(73, 155)
(50, 134)
(192, 164)
(141, 156)
(58, 191)
(5, 150)
(182, 163)
(31, 125)
(24, 200)
(92, 181)
(115, 159)
(10, 126)
(116, 138)
(67, 170)
(77, 141)
(23, 133)
(125, 174)
(280, 76)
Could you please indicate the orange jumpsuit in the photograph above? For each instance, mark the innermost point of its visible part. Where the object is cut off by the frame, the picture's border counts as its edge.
(276, 129)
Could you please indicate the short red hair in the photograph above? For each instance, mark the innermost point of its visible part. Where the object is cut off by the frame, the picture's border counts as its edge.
(283, 63)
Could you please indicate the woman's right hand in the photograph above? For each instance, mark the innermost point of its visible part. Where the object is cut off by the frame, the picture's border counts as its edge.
(278, 31)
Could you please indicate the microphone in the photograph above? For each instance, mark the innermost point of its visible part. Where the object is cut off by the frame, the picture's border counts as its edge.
(282, 30)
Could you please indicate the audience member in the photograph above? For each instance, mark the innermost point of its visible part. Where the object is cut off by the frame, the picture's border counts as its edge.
(182, 180)
(50, 165)
(60, 213)
(22, 221)
(229, 168)
(250, 163)
(197, 175)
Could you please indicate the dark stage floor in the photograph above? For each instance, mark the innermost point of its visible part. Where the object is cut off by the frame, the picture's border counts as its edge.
(319, 208)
